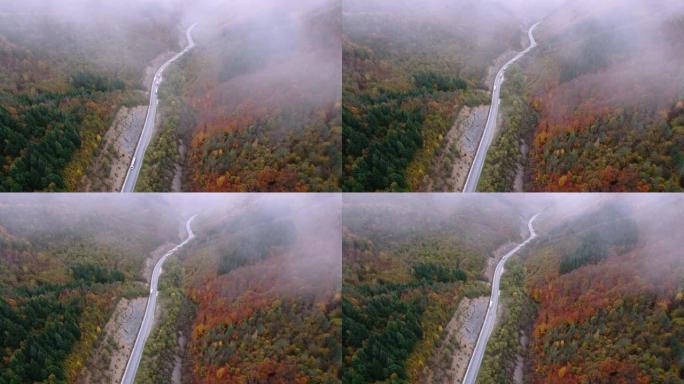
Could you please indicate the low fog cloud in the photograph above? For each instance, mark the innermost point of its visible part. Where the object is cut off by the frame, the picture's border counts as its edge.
(302, 234)
(309, 214)
(654, 219)
(147, 28)
(485, 13)
(618, 53)
(653, 213)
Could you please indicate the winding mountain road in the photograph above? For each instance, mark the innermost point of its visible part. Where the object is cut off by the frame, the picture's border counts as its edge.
(490, 127)
(148, 129)
(148, 319)
(490, 318)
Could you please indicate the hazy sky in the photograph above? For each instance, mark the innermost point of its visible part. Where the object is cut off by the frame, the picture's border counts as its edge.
(556, 207)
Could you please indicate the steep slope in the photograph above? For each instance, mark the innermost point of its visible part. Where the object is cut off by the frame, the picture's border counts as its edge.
(259, 295)
(65, 71)
(600, 99)
(64, 269)
(606, 289)
(410, 69)
(610, 303)
(408, 264)
(264, 92)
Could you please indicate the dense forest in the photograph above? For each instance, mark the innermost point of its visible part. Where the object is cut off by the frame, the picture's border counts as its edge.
(405, 79)
(598, 298)
(604, 88)
(255, 297)
(62, 278)
(250, 160)
(384, 323)
(405, 270)
(628, 150)
(264, 285)
(266, 115)
(40, 135)
(622, 325)
(61, 87)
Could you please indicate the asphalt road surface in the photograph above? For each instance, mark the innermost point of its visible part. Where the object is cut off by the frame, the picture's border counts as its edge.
(148, 319)
(490, 128)
(490, 318)
(148, 128)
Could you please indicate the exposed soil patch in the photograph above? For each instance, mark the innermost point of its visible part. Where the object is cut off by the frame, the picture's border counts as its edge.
(178, 365)
(472, 127)
(462, 140)
(108, 170)
(449, 363)
(519, 182)
(108, 361)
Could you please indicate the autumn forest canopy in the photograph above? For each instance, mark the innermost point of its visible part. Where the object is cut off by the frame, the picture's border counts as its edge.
(356, 96)
(595, 107)
(255, 107)
(598, 297)
(255, 294)
(359, 288)
(61, 85)
(297, 165)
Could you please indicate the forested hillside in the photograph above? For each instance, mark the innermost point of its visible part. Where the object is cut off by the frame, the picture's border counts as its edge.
(409, 67)
(263, 88)
(407, 264)
(609, 289)
(254, 107)
(261, 284)
(64, 73)
(605, 90)
(599, 297)
(255, 297)
(63, 271)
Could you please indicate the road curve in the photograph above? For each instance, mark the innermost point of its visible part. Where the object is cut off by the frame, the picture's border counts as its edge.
(490, 318)
(148, 129)
(490, 128)
(148, 319)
